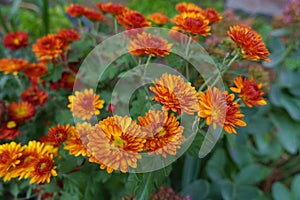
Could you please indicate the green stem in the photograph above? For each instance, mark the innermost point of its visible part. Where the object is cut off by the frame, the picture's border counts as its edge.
(3, 23)
(186, 54)
(46, 19)
(116, 25)
(19, 82)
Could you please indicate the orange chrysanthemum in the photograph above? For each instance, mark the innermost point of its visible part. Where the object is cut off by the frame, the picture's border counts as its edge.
(75, 10)
(112, 8)
(250, 42)
(249, 91)
(219, 109)
(85, 104)
(56, 135)
(116, 142)
(15, 40)
(69, 35)
(187, 7)
(131, 19)
(12, 65)
(9, 130)
(74, 143)
(21, 111)
(148, 44)
(49, 47)
(163, 133)
(35, 70)
(192, 22)
(212, 15)
(43, 169)
(10, 157)
(92, 14)
(175, 94)
(158, 18)
(34, 96)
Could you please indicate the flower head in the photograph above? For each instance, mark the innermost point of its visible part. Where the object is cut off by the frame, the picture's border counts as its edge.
(92, 15)
(15, 40)
(219, 109)
(167, 193)
(75, 10)
(212, 15)
(110, 7)
(56, 135)
(250, 42)
(175, 94)
(35, 70)
(188, 7)
(249, 91)
(10, 157)
(131, 19)
(85, 104)
(148, 44)
(43, 169)
(49, 47)
(163, 133)
(21, 111)
(69, 35)
(192, 22)
(34, 96)
(9, 130)
(12, 65)
(116, 142)
(158, 18)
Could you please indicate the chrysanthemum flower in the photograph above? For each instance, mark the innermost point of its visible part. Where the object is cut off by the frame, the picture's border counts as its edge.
(192, 22)
(85, 104)
(69, 35)
(92, 14)
(49, 47)
(167, 193)
(163, 132)
(188, 7)
(21, 111)
(249, 91)
(131, 19)
(35, 69)
(219, 109)
(12, 65)
(34, 96)
(250, 42)
(158, 18)
(43, 169)
(109, 7)
(116, 142)
(148, 44)
(10, 157)
(175, 94)
(15, 40)
(56, 135)
(75, 10)
(212, 15)
(9, 130)
(74, 144)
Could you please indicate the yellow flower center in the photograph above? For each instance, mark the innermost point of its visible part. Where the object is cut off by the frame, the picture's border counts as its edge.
(16, 41)
(119, 142)
(161, 131)
(42, 166)
(21, 111)
(11, 124)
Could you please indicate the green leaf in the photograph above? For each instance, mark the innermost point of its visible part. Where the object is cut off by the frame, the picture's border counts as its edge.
(292, 105)
(277, 52)
(295, 187)
(190, 169)
(246, 175)
(280, 192)
(216, 164)
(198, 189)
(14, 189)
(280, 32)
(145, 188)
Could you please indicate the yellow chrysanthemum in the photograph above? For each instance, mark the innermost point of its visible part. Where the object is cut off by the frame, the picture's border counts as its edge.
(85, 104)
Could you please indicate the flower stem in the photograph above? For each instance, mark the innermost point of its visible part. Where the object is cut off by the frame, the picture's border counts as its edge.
(186, 54)
(19, 81)
(116, 25)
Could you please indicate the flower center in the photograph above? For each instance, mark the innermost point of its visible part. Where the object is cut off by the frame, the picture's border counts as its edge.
(161, 131)
(21, 111)
(119, 142)
(11, 124)
(16, 41)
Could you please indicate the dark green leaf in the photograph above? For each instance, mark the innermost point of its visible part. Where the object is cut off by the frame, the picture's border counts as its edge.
(245, 176)
(198, 189)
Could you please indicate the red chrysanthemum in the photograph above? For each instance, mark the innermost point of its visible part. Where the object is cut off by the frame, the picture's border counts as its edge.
(9, 130)
(56, 135)
(249, 91)
(21, 111)
(175, 94)
(12, 65)
(43, 169)
(69, 35)
(187, 7)
(250, 42)
(75, 10)
(148, 44)
(163, 133)
(112, 8)
(158, 18)
(34, 96)
(15, 40)
(35, 70)
(212, 15)
(131, 19)
(192, 22)
(92, 14)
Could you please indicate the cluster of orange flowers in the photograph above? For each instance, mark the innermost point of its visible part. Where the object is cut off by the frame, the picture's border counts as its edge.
(34, 161)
